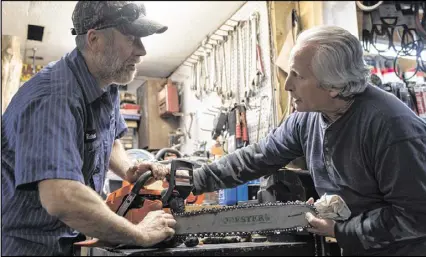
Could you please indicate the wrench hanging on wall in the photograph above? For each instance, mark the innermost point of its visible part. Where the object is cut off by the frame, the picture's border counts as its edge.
(198, 92)
(232, 64)
(207, 85)
(216, 69)
(193, 85)
(258, 72)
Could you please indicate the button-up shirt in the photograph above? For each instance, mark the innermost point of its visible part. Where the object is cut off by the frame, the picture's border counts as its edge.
(60, 125)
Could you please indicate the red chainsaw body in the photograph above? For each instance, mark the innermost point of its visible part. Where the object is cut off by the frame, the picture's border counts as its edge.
(135, 201)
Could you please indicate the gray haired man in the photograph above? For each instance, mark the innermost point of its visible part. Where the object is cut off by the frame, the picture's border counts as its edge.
(359, 142)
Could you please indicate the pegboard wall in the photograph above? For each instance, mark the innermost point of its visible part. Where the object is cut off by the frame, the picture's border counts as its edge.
(202, 106)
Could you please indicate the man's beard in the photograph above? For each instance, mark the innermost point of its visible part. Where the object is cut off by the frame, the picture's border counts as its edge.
(110, 68)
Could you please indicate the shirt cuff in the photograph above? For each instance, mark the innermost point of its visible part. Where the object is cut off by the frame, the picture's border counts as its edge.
(30, 183)
(346, 236)
(197, 190)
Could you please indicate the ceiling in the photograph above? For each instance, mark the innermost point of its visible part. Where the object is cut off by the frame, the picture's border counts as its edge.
(189, 23)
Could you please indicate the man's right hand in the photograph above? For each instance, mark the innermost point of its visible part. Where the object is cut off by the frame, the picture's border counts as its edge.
(157, 226)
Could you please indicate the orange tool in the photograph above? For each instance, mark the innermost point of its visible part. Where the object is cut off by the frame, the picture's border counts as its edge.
(134, 202)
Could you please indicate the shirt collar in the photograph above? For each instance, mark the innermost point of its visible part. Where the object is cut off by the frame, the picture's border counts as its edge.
(88, 83)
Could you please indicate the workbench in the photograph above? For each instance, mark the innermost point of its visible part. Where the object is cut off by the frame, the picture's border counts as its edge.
(294, 248)
(234, 249)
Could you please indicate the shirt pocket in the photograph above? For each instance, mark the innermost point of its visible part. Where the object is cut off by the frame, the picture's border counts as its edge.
(92, 162)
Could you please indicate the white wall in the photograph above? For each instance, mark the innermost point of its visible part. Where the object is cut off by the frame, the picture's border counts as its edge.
(342, 14)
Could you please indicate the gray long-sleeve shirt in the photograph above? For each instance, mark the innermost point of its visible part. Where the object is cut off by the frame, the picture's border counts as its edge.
(374, 157)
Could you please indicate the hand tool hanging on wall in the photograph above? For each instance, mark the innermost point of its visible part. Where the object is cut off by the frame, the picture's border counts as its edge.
(246, 50)
(237, 119)
(230, 131)
(219, 124)
(206, 57)
(198, 89)
(235, 64)
(238, 134)
(258, 72)
(259, 116)
(194, 77)
(223, 71)
(244, 126)
(227, 66)
(188, 130)
(253, 55)
(216, 70)
(247, 53)
(212, 70)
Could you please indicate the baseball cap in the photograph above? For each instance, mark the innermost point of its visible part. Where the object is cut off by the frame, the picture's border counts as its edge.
(129, 17)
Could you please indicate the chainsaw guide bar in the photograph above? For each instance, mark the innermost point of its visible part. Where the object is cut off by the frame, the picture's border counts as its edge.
(266, 219)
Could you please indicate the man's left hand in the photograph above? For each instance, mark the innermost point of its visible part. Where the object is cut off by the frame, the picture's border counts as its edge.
(159, 171)
(323, 227)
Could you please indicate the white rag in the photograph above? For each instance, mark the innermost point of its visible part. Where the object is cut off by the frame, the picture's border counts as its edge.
(332, 207)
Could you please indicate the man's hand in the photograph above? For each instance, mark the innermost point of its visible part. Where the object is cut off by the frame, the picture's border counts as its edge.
(323, 227)
(157, 226)
(159, 171)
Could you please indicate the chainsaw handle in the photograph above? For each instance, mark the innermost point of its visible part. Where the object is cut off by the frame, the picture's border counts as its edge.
(130, 198)
(141, 181)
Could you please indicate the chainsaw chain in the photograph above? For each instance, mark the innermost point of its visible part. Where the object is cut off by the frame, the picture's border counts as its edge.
(246, 206)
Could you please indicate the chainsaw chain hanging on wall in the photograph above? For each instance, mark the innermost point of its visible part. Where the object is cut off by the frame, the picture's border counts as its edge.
(390, 22)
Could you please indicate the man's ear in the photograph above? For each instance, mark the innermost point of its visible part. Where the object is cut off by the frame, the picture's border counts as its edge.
(333, 93)
(93, 40)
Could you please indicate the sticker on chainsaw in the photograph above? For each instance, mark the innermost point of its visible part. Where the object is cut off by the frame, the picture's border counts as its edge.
(251, 219)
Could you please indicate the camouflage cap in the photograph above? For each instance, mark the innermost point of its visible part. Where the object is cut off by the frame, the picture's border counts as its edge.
(126, 15)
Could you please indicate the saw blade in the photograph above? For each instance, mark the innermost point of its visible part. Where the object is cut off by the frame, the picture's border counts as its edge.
(235, 220)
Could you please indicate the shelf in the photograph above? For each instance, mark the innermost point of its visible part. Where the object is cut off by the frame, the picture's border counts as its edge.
(131, 117)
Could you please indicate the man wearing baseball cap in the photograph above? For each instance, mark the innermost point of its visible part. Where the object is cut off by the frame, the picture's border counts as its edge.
(60, 135)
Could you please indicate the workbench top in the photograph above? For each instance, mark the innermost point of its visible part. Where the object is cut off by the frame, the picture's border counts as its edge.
(235, 249)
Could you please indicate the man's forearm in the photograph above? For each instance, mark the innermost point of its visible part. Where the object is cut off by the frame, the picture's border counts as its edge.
(380, 228)
(234, 169)
(119, 161)
(85, 211)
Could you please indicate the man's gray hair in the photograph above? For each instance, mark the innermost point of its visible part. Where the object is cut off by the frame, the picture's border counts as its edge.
(338, 62)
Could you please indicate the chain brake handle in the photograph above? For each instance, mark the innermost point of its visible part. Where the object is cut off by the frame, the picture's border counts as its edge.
(128, 201)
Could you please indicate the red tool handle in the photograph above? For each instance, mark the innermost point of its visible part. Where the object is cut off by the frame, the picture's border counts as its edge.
(244, 127)
(237, 124)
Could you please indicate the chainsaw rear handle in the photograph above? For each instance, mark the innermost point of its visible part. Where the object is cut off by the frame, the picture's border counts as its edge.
(184, 189)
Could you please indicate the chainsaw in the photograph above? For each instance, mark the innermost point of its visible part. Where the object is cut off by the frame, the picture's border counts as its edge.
(135, 202)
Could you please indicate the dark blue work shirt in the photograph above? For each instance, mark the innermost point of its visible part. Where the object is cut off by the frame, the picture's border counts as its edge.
(60, 125)
(373, 156)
